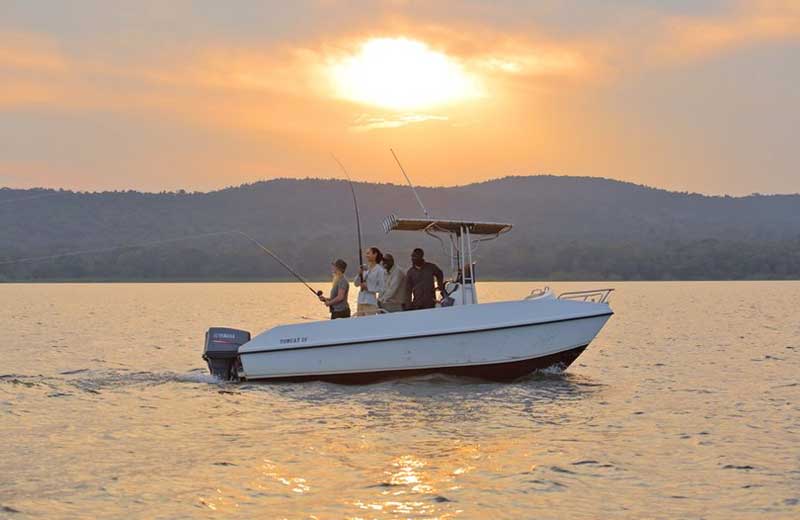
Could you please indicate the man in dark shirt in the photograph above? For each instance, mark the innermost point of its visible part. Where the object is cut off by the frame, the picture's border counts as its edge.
(419, 282)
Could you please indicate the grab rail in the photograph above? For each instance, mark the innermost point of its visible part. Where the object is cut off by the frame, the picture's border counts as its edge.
(538, 293)
(594, 296)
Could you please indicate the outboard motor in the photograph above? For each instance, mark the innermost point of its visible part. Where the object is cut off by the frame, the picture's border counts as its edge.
(221, 350)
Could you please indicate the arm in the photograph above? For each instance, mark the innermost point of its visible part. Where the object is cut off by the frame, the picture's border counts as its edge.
(340, 296)
(392, 285)
(439, 275)
(409, 287)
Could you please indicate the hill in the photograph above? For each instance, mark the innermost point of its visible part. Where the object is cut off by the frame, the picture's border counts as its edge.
(564, 228)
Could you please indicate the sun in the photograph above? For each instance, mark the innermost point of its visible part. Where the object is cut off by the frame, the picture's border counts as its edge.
(401, 74)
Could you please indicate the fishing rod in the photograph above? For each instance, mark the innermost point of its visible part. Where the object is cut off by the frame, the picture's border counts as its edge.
(419, 201)
(358, 219)
(167, 241)
(277, 259)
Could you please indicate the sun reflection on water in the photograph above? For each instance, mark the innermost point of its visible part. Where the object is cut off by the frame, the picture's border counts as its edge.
(295, 484)
(410, 490)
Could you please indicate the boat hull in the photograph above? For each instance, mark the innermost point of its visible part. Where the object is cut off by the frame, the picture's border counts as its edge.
(499, 372)
(500, 352)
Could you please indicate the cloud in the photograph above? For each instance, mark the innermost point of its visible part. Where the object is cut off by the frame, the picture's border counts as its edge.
(252, 92)
(22, 52)
(753, 22)
(365, 122)
(30, 65)
(222, 75)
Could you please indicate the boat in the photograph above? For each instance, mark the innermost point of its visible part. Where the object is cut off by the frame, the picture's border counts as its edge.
(498, 341)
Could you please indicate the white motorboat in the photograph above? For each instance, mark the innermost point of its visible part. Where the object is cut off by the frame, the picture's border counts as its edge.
(498, 341)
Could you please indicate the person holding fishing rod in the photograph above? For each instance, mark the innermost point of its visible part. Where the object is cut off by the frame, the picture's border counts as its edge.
(372, 281)
(337, 302)
(371, 278)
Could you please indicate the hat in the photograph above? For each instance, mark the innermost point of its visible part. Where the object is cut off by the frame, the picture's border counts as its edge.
(340, 264)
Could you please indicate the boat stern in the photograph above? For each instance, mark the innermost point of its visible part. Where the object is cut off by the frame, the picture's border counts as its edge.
(221, 351)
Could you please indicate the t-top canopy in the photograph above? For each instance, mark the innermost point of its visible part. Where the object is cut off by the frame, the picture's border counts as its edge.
(393, 222)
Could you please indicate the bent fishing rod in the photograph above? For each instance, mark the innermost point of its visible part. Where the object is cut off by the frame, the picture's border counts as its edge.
(167, 241)
(358, 219)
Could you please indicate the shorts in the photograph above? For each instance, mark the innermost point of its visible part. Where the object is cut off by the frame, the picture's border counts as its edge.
(340, 314)
(367, 309)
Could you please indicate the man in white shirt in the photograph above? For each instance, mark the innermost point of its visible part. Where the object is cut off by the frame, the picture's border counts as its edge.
(394, 297)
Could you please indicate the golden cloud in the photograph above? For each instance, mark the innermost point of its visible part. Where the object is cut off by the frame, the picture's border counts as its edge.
(281, 87)
(756, 22)
(23, 52)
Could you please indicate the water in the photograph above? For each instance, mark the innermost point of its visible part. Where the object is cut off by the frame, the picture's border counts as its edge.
(687, 405)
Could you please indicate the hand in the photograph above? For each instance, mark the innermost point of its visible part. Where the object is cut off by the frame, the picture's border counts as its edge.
(364, 286)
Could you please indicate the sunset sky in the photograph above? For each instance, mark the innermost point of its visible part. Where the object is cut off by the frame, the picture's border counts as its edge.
(700, 95)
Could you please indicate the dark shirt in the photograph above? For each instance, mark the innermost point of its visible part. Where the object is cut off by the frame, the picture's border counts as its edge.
(419, 282)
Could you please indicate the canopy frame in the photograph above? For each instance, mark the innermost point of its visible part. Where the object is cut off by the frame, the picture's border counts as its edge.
(395, 223)
(463, 234)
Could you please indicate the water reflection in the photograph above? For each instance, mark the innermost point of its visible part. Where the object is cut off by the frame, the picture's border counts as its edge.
(667, 411)
(410, 489)
(442, 406)
(271, 472)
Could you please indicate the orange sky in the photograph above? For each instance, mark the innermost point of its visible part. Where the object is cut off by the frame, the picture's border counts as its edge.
(699, 96)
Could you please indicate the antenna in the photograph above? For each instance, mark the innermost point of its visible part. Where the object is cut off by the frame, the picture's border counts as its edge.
(419, 201)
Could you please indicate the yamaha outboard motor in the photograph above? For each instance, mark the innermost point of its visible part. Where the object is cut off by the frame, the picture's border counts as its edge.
(222, 347)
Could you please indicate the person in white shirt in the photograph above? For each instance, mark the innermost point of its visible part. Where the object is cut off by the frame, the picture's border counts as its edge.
(394, 297)
(372, 281)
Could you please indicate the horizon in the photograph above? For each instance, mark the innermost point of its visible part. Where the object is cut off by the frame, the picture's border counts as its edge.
(179, 190)
(686, 96)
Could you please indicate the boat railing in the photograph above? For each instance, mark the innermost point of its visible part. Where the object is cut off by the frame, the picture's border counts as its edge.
(539, 293)
(593, 296)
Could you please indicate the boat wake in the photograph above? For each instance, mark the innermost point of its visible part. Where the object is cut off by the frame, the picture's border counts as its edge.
(97, 381)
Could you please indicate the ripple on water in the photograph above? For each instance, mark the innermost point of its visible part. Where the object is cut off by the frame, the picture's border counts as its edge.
(143, 432)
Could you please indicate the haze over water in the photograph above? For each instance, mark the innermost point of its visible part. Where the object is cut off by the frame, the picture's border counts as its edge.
(685, 406)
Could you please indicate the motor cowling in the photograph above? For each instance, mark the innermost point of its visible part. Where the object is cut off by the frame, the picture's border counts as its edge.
(221, 351)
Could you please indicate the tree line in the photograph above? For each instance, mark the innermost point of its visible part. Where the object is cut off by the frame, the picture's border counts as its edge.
(564, 228)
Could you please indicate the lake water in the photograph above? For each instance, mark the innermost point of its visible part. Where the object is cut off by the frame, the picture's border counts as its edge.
(687, 405)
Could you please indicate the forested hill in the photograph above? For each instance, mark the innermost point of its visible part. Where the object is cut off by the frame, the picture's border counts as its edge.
(564, 228)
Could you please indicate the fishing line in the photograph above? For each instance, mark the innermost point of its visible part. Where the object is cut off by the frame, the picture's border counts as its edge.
(167, 241)
(5, 201)
(419, 201)
(277, 259)
(109, 249)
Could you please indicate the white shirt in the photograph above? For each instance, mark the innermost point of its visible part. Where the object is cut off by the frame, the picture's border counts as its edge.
(395, 292)
(376, 283)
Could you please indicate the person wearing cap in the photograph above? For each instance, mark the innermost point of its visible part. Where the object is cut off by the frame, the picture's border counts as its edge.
(394, 297)
(420, 282)
(337, 302)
